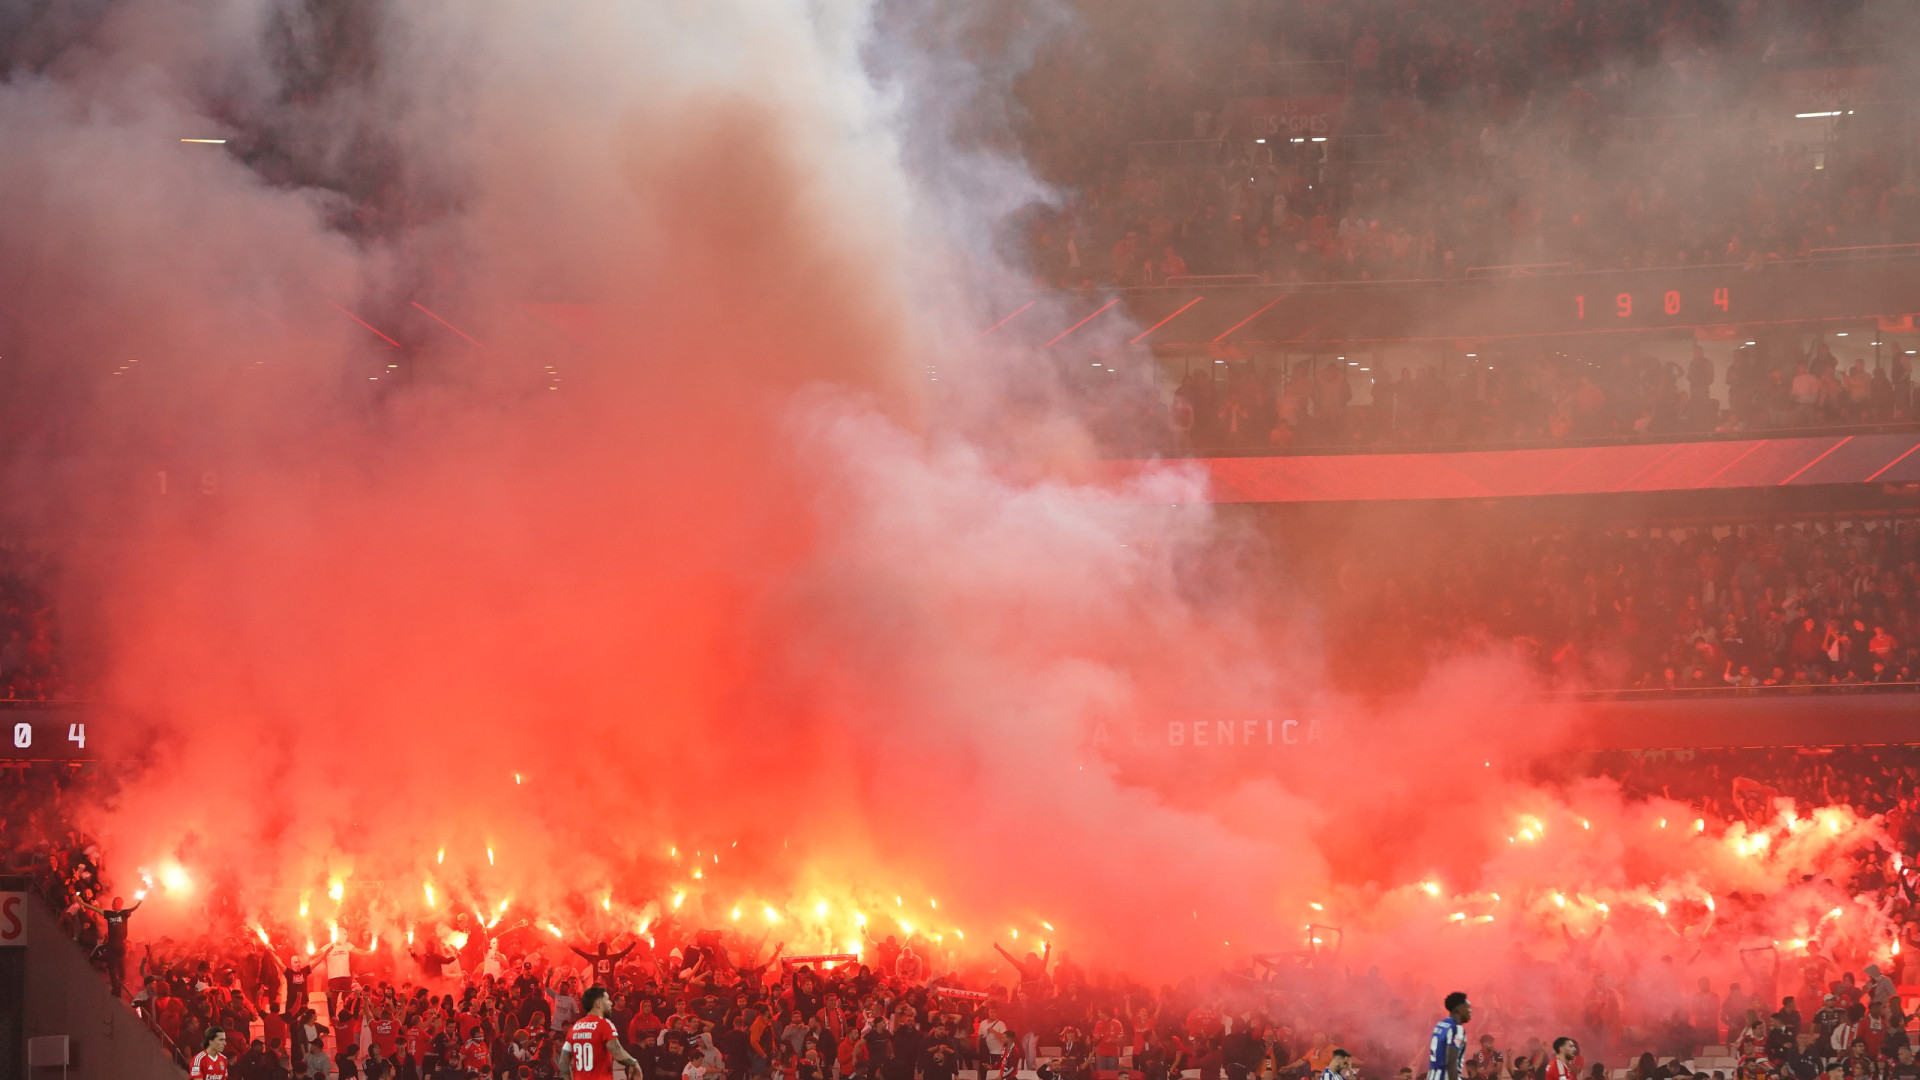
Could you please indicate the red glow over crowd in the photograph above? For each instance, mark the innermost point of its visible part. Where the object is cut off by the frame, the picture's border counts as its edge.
(749, 567)
(1783, 983)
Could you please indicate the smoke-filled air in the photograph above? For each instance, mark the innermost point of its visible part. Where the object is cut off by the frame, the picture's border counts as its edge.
(539, 466)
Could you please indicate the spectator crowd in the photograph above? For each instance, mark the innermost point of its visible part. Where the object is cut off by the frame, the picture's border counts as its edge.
(31, 667)
(1441, 137)
(1534, 397)
(1819, 602)
(692, 1003)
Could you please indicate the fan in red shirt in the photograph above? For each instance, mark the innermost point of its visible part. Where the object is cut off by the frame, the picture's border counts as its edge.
(1203, 1022)
(346, 1028)
(1107, 1033)
(593, 1045)
(386, 1033)
(173, 1015)
(211, 1062)
(416, 1040)
(474, 1057)
(645, 1026)
(1561, 1066)
(833, 1017)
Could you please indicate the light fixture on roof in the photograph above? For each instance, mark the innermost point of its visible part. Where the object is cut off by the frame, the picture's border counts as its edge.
(1817, 115)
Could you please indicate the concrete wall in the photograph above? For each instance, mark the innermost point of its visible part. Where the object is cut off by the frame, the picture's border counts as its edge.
(66, 996)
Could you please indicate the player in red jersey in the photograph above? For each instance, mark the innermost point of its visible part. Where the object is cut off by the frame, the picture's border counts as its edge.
(211, 1062)
(1560, 1066)
(593, 1044)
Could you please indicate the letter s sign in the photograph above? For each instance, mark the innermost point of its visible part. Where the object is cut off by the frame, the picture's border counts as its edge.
(13, 913)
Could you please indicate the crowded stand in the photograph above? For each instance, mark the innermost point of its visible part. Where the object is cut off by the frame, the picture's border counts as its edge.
(1311, 142)
(31, 667)
(688, 1001)
(1536, 396)
(1825, 602)
(1294, 141)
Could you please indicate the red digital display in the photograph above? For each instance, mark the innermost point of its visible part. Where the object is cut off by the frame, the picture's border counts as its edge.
(1672, 303)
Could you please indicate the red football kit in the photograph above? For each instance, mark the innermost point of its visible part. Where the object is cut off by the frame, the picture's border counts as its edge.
(587, 1042)
(386, 1036)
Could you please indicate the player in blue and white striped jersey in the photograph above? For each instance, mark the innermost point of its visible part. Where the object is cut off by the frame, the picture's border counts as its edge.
(1448, 1046)
(1339, 1067)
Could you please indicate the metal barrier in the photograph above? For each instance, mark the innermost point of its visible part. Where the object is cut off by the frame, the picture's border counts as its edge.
(1862, 251)
(1191, 280)
(1601, 277)
(1679, 693)
(1187, 153)
(1518, 269)
(1306, 448)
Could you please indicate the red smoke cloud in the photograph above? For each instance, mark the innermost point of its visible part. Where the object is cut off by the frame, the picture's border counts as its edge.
(709, 581)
